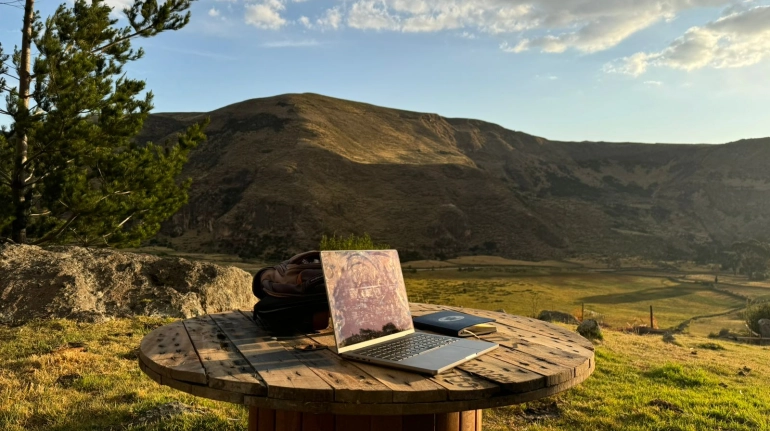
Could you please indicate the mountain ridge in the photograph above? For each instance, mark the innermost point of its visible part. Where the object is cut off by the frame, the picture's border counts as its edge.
(278, 172)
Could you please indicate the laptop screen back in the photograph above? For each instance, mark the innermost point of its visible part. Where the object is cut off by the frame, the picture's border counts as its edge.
(367, 296)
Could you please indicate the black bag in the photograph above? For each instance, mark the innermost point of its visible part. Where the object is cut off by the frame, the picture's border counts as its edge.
(292, 295)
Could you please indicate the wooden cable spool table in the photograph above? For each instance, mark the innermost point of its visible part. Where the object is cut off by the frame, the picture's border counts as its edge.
(300, 384)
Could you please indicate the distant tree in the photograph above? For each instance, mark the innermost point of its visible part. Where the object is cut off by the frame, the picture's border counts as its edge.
(70, 170)
(751, 258)
(351, 242)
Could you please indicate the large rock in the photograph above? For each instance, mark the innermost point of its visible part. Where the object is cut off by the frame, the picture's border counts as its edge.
(590, 329)
(764, 327)
(95, 284)
(557, 316)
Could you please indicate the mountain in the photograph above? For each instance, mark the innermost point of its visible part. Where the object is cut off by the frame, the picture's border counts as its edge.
(276, 173)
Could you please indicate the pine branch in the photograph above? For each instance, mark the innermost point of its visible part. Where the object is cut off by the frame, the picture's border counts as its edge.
(121, 39)
(4, 175)
(58, 232)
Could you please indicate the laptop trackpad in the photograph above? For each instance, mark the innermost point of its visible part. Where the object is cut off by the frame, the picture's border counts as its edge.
(448, 356)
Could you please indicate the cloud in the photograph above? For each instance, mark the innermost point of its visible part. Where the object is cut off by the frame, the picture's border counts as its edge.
(740, 38)
(266, 15)
(213, 12)
(653, 83)
(291, 43)
(552, 26)
(372, 15)
(332, 19)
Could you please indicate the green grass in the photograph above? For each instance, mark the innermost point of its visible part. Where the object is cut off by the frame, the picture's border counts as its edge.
(642, 383)
(61, 375)
(615, 299)
(65, 376)
(352, 242)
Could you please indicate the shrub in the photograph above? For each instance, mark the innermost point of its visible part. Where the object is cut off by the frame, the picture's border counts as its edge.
(754, 313)
(352, 242)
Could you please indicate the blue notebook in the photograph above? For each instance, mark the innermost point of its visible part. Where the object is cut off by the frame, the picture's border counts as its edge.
(449, 322)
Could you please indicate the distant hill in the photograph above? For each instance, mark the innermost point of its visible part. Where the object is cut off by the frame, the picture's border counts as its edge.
(278, 172)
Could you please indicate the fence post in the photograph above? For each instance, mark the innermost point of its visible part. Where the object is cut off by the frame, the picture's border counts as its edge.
(651, 318)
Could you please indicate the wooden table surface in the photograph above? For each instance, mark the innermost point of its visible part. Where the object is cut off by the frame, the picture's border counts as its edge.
(228, 357)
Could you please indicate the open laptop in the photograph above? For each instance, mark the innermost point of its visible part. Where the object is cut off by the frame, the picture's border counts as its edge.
(371, 317)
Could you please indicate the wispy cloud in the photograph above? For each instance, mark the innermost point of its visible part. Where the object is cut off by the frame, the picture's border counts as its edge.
(653, 83)
(739, 38)
(198, 53)
(291, 43)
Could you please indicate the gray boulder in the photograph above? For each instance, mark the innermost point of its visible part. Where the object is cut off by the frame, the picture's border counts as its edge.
(557, 316)
(590, 329)
(96, 284)
(764, 328)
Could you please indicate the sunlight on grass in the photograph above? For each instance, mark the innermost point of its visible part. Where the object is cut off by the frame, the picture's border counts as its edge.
(614, 299)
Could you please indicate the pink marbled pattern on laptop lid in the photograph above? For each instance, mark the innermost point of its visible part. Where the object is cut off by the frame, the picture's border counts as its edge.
(367, 296)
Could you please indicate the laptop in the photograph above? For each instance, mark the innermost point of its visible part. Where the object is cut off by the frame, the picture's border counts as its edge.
(371, 317)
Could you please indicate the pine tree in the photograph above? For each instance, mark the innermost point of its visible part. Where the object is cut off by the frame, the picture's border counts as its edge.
(70, 168)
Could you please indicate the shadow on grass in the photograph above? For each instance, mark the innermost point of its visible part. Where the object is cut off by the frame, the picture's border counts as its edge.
(106, 419)
(646, 295)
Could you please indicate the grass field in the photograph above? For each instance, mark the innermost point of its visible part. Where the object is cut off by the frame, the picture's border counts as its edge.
(64, 376)
(61, 375)
(616, 299)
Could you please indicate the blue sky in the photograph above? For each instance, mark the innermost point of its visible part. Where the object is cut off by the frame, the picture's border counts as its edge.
(690, 71)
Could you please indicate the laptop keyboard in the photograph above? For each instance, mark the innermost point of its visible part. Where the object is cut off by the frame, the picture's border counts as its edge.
(403, 348)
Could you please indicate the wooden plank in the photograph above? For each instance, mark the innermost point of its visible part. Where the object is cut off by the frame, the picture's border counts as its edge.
(510, 377)
(419, 422)
(530, 326)
(253, 418)
(464, 386)
(204, 391)
(150, 373)
(169, 352)
(554, 373)
(266, 419)
(387, 423)
(575, 361)
(350, 383)
(314, 422)
(516, 335)
(547, 328)
(468, 421)
(225, 368)
(406, 386)
(288, 421)
(353, 423)
(448, 422)
(285, 376)
(502, 399)
(479, 414)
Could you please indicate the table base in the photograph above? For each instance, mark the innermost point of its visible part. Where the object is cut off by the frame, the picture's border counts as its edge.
(283, 420)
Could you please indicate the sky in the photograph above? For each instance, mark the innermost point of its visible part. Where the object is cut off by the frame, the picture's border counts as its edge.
(656, 71)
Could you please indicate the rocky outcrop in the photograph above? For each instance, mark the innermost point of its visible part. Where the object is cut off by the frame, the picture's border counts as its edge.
(97, 284)
(590, 329)
(557, 316)
(764, 327)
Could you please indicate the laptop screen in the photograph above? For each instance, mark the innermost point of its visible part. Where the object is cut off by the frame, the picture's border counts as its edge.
(367, 296)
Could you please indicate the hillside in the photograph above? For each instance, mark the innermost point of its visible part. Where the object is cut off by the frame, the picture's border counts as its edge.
(278, 172)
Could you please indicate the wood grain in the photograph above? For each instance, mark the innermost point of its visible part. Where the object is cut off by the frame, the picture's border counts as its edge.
(284, 375)
(226, 369)
(448, 422)
(468, 421)
(168, 351)
(237, 361)
(313, 422)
